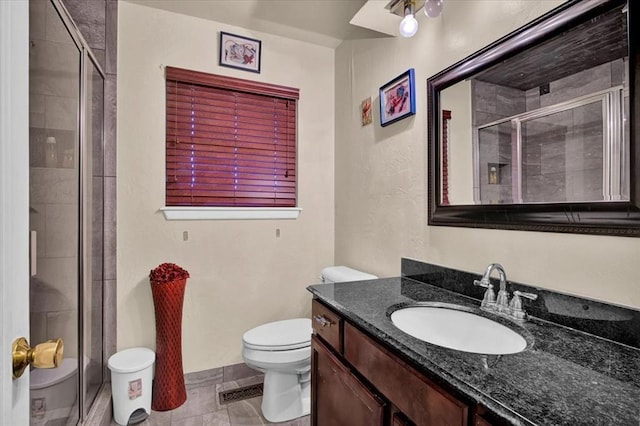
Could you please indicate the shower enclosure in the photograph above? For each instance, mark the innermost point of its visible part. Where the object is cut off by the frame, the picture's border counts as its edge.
(557, 143)
(66, 215)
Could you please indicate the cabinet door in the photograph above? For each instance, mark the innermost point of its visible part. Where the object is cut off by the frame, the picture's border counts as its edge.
(337, 396)
(422, 401)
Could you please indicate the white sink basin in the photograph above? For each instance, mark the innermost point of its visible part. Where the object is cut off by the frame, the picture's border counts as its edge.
(457, 329)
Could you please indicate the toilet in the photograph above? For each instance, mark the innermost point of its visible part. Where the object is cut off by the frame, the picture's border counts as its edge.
(282, 351)
(53, 391)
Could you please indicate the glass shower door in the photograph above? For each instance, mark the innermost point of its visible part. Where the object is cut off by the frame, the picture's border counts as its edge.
(54, 91)
(66, 168)
(571, 152)
(563, 156)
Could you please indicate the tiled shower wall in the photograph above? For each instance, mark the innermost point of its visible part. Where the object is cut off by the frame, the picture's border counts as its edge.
(562, 158)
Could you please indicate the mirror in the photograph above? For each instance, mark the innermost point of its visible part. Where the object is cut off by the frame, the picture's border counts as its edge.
(538, 130)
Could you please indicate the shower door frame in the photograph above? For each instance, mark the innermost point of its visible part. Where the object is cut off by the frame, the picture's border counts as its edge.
(87, 59)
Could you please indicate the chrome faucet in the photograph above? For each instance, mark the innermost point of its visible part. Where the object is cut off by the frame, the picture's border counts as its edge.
(501, 304)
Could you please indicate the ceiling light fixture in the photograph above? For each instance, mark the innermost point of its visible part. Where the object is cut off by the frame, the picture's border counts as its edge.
(408, 8)
(408, 25)
(433, 8)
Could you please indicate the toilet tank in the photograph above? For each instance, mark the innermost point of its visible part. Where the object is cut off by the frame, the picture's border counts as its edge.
(337, 274)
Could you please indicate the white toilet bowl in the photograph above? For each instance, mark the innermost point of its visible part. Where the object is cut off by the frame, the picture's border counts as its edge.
(54, 391)
(282, 350)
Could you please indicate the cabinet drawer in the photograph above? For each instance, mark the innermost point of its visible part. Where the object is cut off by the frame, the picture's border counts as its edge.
(420, 400)
(327, 324)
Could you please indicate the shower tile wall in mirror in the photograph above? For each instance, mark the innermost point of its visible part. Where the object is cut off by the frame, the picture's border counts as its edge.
(539, 130)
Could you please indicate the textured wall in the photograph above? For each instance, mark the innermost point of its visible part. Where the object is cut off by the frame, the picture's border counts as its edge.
(381, 173)
(242, 275)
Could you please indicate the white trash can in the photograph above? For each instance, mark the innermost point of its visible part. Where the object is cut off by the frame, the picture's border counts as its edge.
(131, 376)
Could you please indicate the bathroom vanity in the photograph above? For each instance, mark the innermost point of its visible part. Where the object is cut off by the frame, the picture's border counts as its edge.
(340, 397)
(365, 371)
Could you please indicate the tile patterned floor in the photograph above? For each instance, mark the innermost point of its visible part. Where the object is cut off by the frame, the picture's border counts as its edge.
(203, 408)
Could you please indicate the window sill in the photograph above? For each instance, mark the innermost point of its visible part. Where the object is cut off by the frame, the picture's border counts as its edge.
(230, 213)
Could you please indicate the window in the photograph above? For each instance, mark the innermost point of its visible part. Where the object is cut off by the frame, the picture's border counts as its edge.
(229, 142)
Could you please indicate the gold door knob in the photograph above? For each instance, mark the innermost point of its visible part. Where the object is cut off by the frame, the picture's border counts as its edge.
(45, 355)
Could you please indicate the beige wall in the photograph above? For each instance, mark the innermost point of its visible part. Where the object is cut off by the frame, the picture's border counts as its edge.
(381, 172)
(458, 98)
(241, 274)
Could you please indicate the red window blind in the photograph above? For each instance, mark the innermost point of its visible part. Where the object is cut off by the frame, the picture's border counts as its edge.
(229, 142)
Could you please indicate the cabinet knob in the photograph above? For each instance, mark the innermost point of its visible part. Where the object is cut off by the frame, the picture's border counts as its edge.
(323, 321)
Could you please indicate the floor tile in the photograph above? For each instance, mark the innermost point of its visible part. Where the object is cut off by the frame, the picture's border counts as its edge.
(217, 418)
(302, 421)
(201, 400)
(189, 421)
(246, 413)
(202, 407)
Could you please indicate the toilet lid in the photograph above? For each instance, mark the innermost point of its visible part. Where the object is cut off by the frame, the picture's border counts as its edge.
(279, 335)
(42, 378)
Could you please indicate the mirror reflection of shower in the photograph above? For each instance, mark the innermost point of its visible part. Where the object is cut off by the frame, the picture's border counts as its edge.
(546, 125)
(66, 109)
(574, 150)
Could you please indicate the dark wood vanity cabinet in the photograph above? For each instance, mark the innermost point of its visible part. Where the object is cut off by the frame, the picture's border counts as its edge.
(338, 397)
(355, 381)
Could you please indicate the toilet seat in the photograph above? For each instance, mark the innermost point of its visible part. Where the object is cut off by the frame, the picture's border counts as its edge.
(279, 335)
(44, 378)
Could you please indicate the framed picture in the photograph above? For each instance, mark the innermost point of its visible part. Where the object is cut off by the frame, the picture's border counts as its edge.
(240, 52)
(365, 111)
(398, 98)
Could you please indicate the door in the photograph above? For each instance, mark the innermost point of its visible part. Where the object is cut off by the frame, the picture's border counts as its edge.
(55, 223)
(14, 204)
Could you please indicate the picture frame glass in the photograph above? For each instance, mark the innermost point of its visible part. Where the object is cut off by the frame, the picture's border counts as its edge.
(240, 52)
(397, 98)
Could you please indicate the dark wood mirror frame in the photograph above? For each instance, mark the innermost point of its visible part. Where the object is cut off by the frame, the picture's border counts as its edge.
(620, 218)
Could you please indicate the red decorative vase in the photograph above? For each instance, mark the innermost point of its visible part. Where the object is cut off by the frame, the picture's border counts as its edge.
(169, 391)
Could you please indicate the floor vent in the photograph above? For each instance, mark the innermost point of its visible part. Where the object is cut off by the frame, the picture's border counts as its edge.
(239, 394)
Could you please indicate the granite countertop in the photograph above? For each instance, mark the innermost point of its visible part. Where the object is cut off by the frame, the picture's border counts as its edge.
(564, 377)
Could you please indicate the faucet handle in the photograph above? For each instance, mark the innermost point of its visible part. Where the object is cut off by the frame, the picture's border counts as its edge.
(516, 304)
(530, 296)
(489, 298)
(483, 283)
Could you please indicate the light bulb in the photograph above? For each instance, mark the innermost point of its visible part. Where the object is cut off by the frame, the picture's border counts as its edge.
(408, 26)
(433, 8)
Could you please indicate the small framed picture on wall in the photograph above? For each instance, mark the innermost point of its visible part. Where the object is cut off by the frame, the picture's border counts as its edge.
(398, 98)
(365, 110)
(240, 52)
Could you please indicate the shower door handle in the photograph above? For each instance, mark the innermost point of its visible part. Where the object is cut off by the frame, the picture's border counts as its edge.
(45, 355)
(33, 253)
